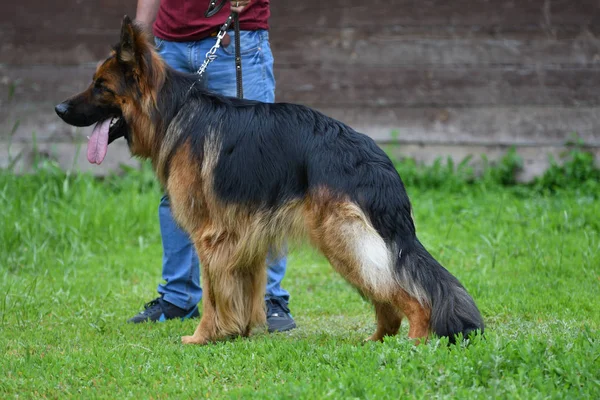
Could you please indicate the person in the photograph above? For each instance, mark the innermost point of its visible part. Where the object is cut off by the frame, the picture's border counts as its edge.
(183, 36)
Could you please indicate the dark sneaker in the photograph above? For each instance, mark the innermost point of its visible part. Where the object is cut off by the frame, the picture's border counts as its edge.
(279, 318)
(159, 310)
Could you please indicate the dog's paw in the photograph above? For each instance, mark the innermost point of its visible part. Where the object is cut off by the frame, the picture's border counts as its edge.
(193, 340)
(373, 338)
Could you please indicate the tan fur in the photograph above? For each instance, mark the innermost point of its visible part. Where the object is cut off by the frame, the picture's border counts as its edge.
(418, 315)
(172, 134)
(233, 240)
(184, 187)
(149, 72)
(327, 216)
(388, 321)
(232, 243)
(232, 253)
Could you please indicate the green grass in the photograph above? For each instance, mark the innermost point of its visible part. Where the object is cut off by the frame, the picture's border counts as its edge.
(79, 256)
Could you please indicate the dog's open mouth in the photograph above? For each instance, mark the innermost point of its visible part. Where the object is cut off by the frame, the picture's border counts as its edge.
(104, 133)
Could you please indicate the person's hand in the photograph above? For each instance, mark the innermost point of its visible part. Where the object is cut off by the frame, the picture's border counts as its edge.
(238, 5)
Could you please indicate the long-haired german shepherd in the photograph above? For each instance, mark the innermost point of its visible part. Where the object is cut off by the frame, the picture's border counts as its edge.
(243, 175)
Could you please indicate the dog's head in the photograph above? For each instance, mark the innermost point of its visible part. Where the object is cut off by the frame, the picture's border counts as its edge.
(122, 95)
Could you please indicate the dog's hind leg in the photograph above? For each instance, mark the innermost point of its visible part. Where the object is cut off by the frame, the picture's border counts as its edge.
(388, 321)
(418, 314)
(355, 249)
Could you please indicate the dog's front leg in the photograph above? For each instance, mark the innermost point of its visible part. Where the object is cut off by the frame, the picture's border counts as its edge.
(207, 244)
(207, 328)
(225, 311)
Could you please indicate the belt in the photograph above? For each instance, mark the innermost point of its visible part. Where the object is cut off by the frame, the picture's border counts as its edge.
(226, 39)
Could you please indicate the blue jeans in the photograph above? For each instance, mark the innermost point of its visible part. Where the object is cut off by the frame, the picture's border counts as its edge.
(181, 269)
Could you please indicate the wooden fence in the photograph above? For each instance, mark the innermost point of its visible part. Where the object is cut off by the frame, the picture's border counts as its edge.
(439, 77)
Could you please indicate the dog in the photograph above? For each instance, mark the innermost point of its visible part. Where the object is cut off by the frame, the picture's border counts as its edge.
(243, 176)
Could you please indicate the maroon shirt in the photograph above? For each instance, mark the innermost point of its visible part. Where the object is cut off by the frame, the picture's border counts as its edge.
(184, 20)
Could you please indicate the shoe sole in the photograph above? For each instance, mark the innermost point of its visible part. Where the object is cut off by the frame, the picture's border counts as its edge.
(285, 328)
(195, 313)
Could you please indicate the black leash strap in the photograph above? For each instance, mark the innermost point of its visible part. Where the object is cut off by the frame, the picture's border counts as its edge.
(213, 8)
(238, 56)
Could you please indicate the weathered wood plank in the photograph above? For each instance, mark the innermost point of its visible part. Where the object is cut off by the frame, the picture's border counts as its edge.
(524, 126)
(355, 47)
(543, 14)
(39, 31)
(421, 86)
(34, 83)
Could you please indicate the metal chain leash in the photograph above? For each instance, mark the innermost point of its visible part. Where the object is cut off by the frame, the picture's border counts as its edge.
(211, 54)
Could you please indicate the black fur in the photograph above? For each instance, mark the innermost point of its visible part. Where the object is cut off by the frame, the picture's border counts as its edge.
(272, 153)
(453, 309)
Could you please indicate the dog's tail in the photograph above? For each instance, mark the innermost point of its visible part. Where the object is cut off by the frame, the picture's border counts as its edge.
(453, 310)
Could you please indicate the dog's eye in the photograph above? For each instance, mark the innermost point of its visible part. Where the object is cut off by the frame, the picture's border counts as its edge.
(99, 88)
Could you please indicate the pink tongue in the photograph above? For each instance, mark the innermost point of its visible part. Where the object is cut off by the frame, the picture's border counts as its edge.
(98, 143)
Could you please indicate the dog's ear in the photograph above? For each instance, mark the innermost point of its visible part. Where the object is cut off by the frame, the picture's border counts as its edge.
(126, 50)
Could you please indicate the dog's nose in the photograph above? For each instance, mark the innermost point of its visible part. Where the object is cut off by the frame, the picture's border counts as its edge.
(61, 109)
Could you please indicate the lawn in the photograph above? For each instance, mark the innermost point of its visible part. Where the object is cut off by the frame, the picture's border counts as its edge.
(78, 256)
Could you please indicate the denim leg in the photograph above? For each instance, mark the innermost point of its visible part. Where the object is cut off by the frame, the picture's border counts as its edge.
(275, 274)
(180, 267)
(181, 270)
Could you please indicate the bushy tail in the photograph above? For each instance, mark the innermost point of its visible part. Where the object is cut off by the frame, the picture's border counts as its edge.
(453, 310)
